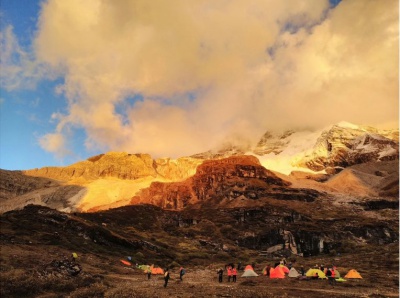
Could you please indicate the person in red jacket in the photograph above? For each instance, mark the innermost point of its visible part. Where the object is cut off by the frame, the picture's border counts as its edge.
(234, 273)
(229, 273)
(330, 273)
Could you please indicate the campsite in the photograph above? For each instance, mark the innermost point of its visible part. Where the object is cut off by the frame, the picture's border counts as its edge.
(40, 264)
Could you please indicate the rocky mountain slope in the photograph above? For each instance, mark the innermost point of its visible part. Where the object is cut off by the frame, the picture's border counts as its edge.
(117, 179)
(328, 150)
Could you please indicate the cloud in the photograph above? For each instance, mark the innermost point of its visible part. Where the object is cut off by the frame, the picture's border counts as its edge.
(19, 69)
(211, 70)
(54, 143)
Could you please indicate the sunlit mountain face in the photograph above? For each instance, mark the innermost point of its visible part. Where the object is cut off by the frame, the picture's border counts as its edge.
(308, 159)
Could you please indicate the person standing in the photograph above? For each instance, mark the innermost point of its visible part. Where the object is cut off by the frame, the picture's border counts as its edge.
(234, 274)
(148, 273)
(181, 273)
(220, 273)
(229, 273)
(166, 277)
(331, 276)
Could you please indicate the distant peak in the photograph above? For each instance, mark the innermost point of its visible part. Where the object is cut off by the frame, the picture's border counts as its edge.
(346, 124)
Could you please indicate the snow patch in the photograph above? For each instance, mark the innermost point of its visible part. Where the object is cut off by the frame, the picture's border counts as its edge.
(345, 124)
(387, 151)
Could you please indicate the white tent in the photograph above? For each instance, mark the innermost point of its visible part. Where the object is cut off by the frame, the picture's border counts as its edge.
(293, 273)
(249, 273)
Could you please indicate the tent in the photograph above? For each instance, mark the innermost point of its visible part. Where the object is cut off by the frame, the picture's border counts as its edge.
(249, 273)
(337, 273)
(293, 273)
(284, 268)
(353, 274)
(248, 267)
(311, 272)
(125, 262)
(157, 270)
(145, 268)
(276, 273)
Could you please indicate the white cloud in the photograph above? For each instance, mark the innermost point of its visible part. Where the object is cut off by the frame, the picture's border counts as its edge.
(247, 73)
(18, 67)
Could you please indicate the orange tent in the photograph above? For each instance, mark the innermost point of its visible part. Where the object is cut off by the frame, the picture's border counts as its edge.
(125, 262)
(248, 267)
(157, 271)
(352, 274)
(276, 273)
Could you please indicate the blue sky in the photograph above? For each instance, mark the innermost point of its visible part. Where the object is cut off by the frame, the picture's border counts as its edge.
(175, 80)
(25, 113)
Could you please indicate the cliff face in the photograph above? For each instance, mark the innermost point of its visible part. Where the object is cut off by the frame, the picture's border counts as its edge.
(121, 165)
(112, 164)
(234, 181)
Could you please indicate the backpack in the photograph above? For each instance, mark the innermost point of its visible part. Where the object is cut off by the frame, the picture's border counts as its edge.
(183, 271)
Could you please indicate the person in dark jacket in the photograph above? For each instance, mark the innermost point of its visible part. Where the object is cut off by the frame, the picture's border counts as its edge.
(220, 273)
(166, 277)
(181, 273)
(302, 272)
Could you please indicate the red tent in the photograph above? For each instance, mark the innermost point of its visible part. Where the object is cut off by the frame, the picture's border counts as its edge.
(276, 273)
(248, 267)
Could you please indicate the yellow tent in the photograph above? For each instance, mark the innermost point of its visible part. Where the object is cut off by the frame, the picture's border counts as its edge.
(311, 272)
(352, 274)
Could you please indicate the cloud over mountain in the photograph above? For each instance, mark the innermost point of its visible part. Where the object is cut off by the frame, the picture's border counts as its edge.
(175, 79)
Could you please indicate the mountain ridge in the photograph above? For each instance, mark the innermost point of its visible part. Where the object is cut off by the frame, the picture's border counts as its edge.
(116, 179)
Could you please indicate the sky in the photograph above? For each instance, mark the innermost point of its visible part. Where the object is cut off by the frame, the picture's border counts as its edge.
(175, 78)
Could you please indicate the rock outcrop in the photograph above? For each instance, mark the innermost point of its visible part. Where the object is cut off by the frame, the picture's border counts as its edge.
(233, 181)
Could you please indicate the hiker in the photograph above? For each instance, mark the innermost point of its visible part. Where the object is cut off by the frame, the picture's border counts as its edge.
(229, 270)
(331, 276)
(148, 274)
(302, 271)
(322, 268)
(234, 273)
(166, 277)
(181, 273)
(74, 257)
(220, 273)
(239, 266)
(267, 269)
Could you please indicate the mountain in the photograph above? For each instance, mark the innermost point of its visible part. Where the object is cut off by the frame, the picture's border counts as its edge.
(302, 160)
(328, 150)
(326, 197)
